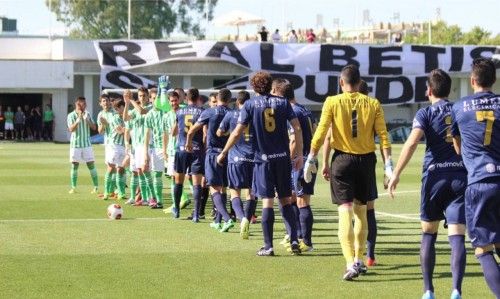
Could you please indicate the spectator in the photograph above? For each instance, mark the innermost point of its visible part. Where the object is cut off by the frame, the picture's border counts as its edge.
(48, 123)
(27, 132)
(19, 121)
(310, 36)
(276, 37)
(9, 123)
(263, 34)
(397, 38)
(292, 37)
(2, 123)
(36, 123)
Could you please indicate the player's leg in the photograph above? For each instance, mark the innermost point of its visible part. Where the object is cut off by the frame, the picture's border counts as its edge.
(205, 191)
(181, 161)
(304, 191)
(120, 179)
(157, 164)
(236, 203)
(428, 255)
(197, 196)
(108, 181)
(74, 176)
(371, 239)
(482, 210)
(360, 233)
(88, 157)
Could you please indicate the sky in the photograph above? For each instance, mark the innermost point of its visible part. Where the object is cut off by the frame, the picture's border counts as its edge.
(34, 18)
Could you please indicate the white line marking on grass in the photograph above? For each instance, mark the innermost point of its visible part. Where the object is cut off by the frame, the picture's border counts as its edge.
(399, 192)
(400, 216)
(75, 220)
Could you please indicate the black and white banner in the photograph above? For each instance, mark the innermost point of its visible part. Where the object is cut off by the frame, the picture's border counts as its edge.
(395, 74)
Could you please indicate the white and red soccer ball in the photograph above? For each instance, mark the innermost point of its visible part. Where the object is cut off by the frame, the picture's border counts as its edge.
(115, 211)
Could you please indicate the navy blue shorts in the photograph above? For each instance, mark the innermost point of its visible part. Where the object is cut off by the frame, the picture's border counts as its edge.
(215, 174)
(442, 197)
(240, 175)
(189, 163)
(272, 177)
(482, 210)
(299, 185)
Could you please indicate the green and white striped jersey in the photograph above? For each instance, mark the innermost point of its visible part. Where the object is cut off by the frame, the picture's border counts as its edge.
(108, 116)
(169, 125)
(117, 138)
(137, 127)
(156, 123)
(81, 136)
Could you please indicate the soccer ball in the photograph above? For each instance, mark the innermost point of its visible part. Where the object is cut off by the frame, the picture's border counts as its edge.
(115, 211)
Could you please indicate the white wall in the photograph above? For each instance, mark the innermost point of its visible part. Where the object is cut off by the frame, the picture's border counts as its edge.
(36, 74)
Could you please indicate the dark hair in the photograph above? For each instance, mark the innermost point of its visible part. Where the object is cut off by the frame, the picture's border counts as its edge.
(224, 95)
(484, 72)
(80, 99)
(153, 90)
(179, 88)
(242, 97)
(193, 94)
(363, 87)
(173, 94)
(104, 96)
(279, 86)
(261, 82)
(213, 95)
(350, 74)
(143, 89)
(117, 102)
(288, 91)
(439, 83)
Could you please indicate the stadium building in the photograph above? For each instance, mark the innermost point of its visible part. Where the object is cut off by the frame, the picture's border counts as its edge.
(38, 71)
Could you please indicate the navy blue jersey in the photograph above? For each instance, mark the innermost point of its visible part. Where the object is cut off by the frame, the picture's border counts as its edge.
(213, 117)
(435, 121)
(268, 115)
(306, 121)
(186, 117)
(476, 119)
(242, 151)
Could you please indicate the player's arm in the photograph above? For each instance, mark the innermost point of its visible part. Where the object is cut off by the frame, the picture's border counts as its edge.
(189, 137)
(385, 142)
(101, 125)
(147, 139)
(292, 145)
(457, 143)
(175, 129)
(89, 121)
(299, 145)
(455, 132)
(324, 125)
(126, 138)
(127, 98)
(406, 153)
(165, 142)
(326, 156)
(231, 141)
(72, 126)
(138, 108)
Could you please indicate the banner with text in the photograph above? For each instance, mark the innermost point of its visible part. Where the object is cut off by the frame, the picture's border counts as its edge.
(395, 74)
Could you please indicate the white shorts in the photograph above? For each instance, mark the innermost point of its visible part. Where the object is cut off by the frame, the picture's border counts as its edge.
(9, 126)
(114, 154)
(139, 157)
(170, 165)
(83, 154)
(132, 163)
(157, 162)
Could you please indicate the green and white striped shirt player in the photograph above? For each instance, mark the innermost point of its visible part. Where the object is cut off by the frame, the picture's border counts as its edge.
(157, 124)
(169, 125)
(117, 138)
(108, 116)
(137, 127)
(80, 138)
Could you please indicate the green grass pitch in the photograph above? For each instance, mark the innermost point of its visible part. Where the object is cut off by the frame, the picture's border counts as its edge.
(57, 245)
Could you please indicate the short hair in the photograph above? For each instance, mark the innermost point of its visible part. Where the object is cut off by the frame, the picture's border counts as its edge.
(439, 83)
(118, 102)
(261, 82)
(179, 88)
(173, 94)
(80, 99)
(242, 97)
(350, 74)
(279, 85)
(153, 90)
(104, 96)
(363, 87)
(193, 94)
(143, 89)
(213, 95)
(288, 91)
(224, 95)
(484, 72)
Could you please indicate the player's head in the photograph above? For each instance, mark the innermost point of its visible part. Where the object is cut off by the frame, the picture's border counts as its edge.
(181, 93)
(152, 94)
(212, 99)
(483, 73)
(363, 87)
(224, 96)
(105, 102)
(261, 82)
(9, 108)
(142, 94)
(242, 97)
(80, 104)
(118, 105)
(19, 108)
(173, 98)
(192, 95)
(277, 86)
(48, 107)
(438, 84)
(350, 77)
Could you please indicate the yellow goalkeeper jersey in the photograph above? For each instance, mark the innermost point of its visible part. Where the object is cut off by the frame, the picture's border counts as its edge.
(353, 117)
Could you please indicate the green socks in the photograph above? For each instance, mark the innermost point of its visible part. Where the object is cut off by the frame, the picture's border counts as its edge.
(158, 186)
(93, 174)
(120, 182)
(74, 175)
(134, 182)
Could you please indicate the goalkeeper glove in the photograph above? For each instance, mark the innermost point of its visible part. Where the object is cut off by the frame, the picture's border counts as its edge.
(310, 167)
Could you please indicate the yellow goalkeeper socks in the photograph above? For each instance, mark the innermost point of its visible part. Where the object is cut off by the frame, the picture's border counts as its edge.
(360, 231)
(346, 233)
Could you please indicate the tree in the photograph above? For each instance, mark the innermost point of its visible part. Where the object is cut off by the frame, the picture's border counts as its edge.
(444, 34)
(150, 19)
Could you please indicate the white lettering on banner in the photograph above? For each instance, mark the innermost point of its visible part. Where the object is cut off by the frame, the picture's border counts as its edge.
(394, 74)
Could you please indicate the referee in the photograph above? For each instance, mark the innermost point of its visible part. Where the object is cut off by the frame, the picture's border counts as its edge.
(354, 117)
